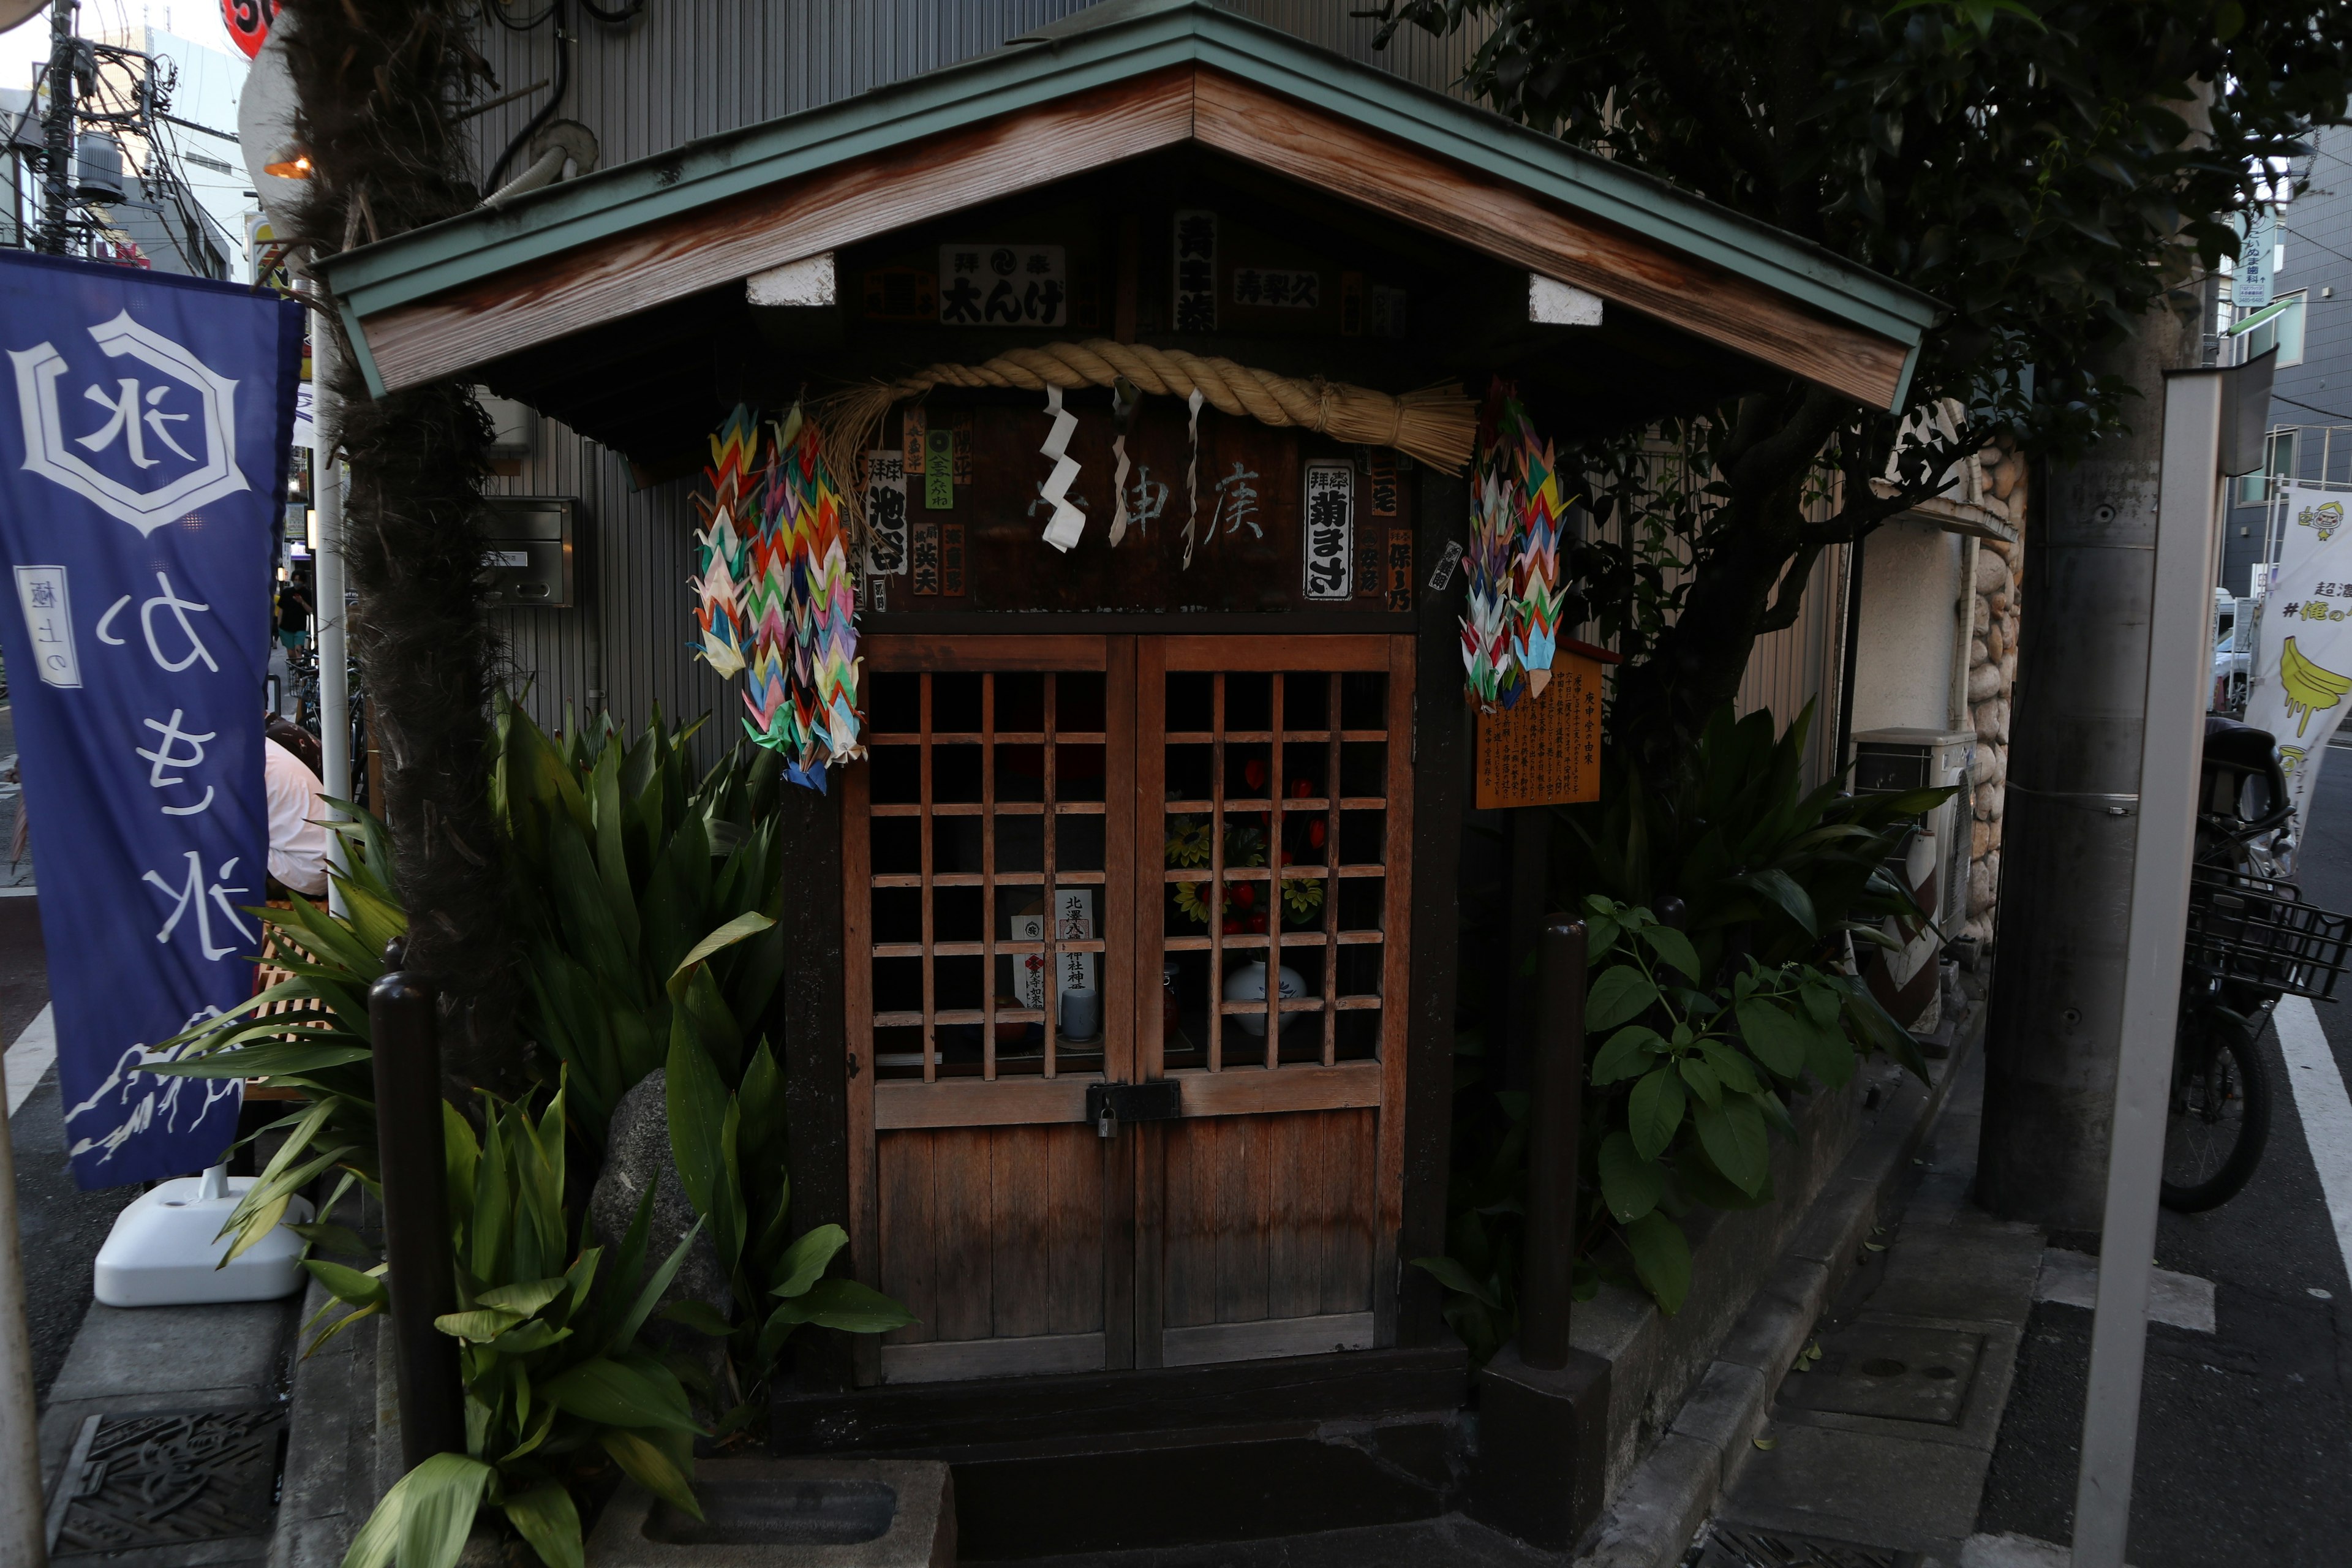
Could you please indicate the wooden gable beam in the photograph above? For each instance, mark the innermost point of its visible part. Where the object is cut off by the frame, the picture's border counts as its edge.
(829, 210)
(875, 195)
(1509, 222)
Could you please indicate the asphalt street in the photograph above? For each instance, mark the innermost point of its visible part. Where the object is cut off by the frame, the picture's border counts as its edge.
(2246, 1437)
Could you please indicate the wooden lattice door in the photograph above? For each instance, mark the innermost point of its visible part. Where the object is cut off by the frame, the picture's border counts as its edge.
(1279, 769)
(1016, 856)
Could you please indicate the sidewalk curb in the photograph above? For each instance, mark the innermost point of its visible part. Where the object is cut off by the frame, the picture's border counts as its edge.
(1651, 1520)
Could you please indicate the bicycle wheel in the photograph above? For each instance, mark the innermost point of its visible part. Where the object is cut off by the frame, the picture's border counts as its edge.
(2220, 1112)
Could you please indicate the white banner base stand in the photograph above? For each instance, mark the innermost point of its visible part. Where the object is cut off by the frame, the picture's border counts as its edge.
(166, 1249)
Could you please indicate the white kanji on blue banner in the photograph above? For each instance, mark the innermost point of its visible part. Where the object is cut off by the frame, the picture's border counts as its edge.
(138, 486)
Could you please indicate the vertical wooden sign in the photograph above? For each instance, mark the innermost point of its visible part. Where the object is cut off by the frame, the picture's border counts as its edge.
(952, 559)
(886, 513)
(1544, 751)
(923, 553)
(1400, 569)
(917, 426)
(1328, 517)
(938, 471)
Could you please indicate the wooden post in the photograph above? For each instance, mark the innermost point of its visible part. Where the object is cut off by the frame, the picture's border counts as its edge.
(423, 1276)
(1556, 1076)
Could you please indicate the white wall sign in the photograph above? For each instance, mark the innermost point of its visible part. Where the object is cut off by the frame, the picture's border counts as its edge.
(989, 285)
(1329, 526)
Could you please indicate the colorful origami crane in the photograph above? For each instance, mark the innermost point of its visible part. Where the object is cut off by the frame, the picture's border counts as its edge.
(724, 554)
(801, 691)
(1515, 598)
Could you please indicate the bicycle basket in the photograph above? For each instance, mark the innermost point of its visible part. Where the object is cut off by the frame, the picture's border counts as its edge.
(2262, 932)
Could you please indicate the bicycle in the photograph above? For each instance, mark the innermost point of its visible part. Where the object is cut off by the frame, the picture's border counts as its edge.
(2252, 939)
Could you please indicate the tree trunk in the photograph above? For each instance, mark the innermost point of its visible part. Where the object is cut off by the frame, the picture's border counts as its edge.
(373, 75)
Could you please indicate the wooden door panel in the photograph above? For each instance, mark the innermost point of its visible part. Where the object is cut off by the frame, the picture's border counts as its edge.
(1273, 768)
(1267, 1216)
(992, 1235)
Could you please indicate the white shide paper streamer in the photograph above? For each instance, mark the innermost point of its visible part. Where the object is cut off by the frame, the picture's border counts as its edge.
(1193, 473)
(1062, 529)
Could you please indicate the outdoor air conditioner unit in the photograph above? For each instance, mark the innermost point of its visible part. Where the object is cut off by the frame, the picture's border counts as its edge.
(1934, 864)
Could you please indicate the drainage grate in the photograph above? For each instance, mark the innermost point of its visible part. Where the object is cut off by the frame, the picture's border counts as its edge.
(1741, 1546)
(167, 1479)
(1881, 1369)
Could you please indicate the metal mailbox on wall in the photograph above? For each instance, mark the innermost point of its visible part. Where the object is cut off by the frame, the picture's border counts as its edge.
(530, 551)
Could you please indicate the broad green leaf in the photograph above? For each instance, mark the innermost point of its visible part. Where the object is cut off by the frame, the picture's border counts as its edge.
(332, 1237)
(700, 1316)
(479, 1327)
(375, 1540)
(626, 1332)
(1730, 1066)
(650, 1468)
(444, 1493)
(545, 1517)
(1830, 1053)
(1655, 1111)
(697, 1099)
(1621, 993)
(1775, 1038)
(339, 1325)
(1782, 889)
(1455, 1277)
(347, 1284)
(528, 1338)
(1878, 1027)
(727, 935)
(1701, 1078)
(1733, 1135)
(1630, 1184)
(523, 1299)
(1673, 947)
(1627, 1054)
(1661, 1260)
(604, 1390)
(846, 1305)
(804, 1262)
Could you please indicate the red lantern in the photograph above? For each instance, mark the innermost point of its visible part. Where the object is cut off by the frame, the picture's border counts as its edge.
(249, 22)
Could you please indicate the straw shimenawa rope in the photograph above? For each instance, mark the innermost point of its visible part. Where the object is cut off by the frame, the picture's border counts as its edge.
(1437, 425)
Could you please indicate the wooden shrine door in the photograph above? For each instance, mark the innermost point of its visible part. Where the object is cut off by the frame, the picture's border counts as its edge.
(1029, 860)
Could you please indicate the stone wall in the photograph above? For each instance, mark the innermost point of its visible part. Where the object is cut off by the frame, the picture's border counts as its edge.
(1992, 671)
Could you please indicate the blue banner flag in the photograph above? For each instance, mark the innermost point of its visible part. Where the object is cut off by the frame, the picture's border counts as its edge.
(139, 473)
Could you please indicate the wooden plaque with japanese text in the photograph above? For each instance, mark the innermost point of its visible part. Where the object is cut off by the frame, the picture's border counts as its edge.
(1544, 751)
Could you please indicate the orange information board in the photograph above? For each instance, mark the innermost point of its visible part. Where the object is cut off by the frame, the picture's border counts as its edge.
(1544, 751)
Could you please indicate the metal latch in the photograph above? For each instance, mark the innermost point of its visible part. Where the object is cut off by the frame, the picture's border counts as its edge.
(1109, 1104)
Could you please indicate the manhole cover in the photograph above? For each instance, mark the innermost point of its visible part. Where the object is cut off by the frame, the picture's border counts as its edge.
(1739, 1546)
(1877, 1369)
(166, 1479)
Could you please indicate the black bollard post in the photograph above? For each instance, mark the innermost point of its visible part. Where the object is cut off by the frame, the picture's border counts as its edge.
(401, 1014)
(1543, 1431)
(1555, 1115)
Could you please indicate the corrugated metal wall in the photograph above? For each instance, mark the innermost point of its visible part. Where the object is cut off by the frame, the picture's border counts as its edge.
(689, 68)
(1804, 663)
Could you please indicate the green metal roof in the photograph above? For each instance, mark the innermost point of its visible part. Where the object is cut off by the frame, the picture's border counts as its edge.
(1106, 44)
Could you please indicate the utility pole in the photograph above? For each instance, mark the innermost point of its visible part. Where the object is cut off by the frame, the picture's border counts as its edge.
(57, 127)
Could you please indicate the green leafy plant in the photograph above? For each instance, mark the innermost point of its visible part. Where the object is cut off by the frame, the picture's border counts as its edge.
(1698, 1029)
(556, 1379)
(325, 1051)
(1761, 866)
(727, 1144)
(625, 867)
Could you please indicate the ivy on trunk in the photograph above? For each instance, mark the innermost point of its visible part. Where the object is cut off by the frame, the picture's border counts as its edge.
(377, 81)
